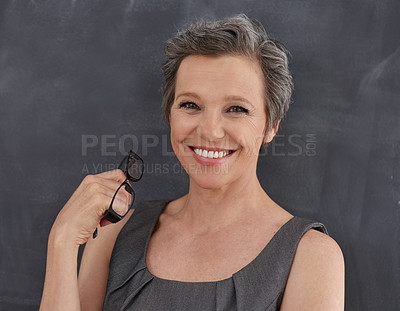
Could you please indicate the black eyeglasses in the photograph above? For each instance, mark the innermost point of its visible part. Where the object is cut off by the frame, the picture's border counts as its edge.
(132, 166)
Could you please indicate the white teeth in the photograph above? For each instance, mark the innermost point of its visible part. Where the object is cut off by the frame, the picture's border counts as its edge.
(211, 154)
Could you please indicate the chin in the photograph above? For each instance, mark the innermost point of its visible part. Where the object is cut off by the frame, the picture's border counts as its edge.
(210, 181)
(207, 184)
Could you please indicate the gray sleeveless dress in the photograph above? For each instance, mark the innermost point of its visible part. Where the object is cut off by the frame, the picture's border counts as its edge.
(257, 286)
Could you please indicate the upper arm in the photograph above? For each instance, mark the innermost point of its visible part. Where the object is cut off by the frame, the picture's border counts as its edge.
(94, 268)
(316, 278)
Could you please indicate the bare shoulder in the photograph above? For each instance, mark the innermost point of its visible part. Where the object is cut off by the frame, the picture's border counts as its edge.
(94, 268)
(316, 278)
(319, 243)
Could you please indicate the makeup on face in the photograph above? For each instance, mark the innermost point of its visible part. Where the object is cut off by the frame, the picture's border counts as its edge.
(217, 118)
(211, 156)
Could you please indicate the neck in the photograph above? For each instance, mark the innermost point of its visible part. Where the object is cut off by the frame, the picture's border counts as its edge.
(207, 210)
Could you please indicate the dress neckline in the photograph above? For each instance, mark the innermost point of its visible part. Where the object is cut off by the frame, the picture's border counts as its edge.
(252, 262)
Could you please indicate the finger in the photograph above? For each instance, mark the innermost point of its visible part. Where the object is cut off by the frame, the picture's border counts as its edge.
(109, 183)
(104, 222)
(122, 201)
(123, 194)
(111, 192)
(95, 183)
(95, 188)
(91, 181)
(117, 175)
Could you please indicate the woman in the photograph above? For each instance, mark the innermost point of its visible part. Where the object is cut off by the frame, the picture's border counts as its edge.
(225, 245)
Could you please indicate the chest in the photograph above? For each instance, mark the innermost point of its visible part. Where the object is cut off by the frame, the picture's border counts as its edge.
(205, 258)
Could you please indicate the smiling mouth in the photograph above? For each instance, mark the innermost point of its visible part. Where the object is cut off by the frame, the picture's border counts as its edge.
(212, 154)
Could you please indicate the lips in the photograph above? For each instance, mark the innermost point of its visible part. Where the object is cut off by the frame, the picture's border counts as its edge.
(211, 156)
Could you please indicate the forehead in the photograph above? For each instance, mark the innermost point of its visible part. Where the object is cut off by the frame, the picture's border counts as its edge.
(216, 76)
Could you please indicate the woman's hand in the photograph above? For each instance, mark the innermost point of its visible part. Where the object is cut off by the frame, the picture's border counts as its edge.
(84, 211)
(73, 226)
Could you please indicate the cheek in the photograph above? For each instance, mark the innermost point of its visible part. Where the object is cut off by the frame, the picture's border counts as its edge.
(258, 128)
(180, 128)
(249, 134)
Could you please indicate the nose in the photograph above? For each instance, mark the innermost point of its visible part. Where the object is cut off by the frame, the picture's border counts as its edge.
(210, 127)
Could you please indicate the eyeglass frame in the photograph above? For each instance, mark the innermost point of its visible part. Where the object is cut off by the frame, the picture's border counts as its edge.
(110, 214)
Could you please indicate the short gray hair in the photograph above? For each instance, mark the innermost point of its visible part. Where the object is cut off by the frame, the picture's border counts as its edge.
(237, 35)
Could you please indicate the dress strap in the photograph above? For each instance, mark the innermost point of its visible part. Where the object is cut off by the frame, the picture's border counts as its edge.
(128, 256)
(265, 278)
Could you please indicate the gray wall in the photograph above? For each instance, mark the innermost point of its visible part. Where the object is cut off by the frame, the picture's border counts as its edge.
(80, 82)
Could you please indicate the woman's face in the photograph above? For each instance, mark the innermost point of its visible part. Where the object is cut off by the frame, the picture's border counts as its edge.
(218, 118)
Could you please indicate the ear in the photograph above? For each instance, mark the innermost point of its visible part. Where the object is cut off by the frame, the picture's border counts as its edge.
(272, 132)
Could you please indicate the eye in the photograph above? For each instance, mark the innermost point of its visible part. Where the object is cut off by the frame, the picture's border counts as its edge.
(189, 105)
(238, 109)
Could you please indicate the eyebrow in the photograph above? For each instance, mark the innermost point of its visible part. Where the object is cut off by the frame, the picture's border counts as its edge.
(239, 99)
(227, 98)
(189, 94)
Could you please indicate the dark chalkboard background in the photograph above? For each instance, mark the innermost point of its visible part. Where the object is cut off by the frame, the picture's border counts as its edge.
(80, 85)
